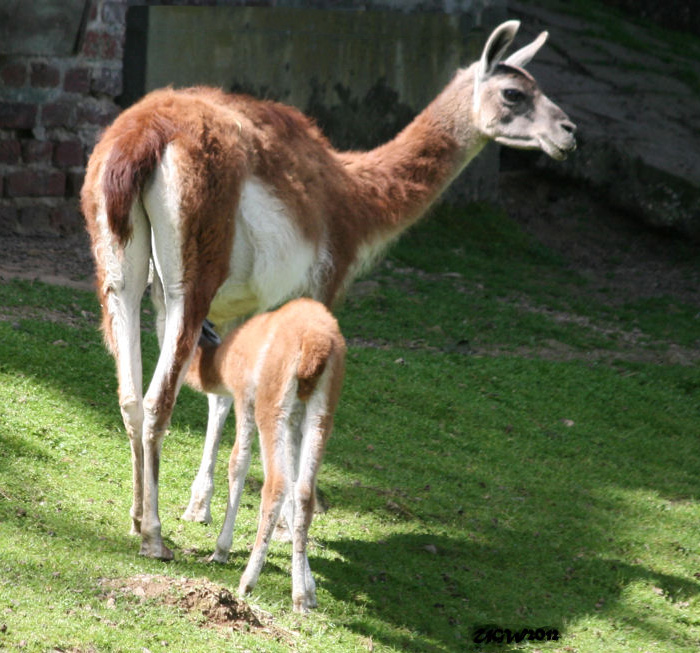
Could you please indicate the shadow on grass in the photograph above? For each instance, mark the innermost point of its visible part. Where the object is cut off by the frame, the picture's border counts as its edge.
(516, 517)
(439, 590)
(13, 446)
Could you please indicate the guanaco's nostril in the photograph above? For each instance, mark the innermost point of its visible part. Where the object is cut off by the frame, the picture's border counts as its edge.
(568, 127)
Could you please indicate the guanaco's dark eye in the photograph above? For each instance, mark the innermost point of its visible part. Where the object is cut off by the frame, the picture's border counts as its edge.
(512, 95)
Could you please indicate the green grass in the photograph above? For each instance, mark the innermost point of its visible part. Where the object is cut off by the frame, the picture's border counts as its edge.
(472, 481)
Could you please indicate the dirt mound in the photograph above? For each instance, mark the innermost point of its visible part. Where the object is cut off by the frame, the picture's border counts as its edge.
(219, 607)
(210, 605)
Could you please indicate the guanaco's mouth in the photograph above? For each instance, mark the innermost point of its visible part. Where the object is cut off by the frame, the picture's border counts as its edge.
(555, 150)
(519, 143)
(547, 145)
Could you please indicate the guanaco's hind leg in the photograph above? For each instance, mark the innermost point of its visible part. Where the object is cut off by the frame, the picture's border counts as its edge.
(180, 333)
(271, 418)
(186, 296)
(177, 346)
(124, 276)
(315, 431)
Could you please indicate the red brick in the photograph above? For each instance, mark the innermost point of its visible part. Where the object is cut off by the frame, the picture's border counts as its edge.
(8, 220)
(35, 183)
(36, 151)
(74, 182)
(77, 80)
(44, 75)
(67, 154)
(17, 115)
(10, 151)
(107, 81)
(102, 45)
(57, 114)
(97, 113)
(14, 74)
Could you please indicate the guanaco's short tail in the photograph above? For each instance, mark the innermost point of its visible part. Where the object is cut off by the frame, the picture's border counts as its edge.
(316, 348)
(134, 154)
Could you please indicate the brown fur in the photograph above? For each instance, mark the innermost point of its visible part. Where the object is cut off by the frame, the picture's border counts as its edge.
(351, 196)
(284, 370)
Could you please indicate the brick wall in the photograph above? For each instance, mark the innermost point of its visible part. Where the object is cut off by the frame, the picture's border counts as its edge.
(51, 111)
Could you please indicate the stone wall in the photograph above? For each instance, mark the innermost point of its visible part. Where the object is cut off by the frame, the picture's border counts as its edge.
(682, 15)
(61, 82)
(633, 91)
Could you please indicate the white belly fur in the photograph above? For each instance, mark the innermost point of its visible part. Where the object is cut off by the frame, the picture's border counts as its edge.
(270, 261)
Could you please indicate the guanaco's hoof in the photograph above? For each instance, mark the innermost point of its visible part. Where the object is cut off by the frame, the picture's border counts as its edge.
(158, 551)
(220, 558)
(200, 515)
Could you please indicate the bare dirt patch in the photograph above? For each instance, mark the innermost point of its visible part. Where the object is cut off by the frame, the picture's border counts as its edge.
(622, 260)
(58, 260)
(75, 319)
(210, 605)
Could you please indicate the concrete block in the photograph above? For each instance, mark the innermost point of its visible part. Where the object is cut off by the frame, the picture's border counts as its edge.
(49, 27)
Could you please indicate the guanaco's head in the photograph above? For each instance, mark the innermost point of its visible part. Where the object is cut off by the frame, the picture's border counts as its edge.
(509, 106)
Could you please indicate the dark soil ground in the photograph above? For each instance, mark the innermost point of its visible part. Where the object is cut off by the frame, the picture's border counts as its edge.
(605, 246)
(60, 260)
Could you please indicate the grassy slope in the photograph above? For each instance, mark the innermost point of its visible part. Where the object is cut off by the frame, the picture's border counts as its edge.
(464, 489)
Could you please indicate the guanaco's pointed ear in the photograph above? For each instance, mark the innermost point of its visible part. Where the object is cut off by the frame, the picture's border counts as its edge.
(523, 56)
(496, 47)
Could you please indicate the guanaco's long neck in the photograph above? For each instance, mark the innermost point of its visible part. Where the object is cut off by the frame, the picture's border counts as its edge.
(401, 179)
